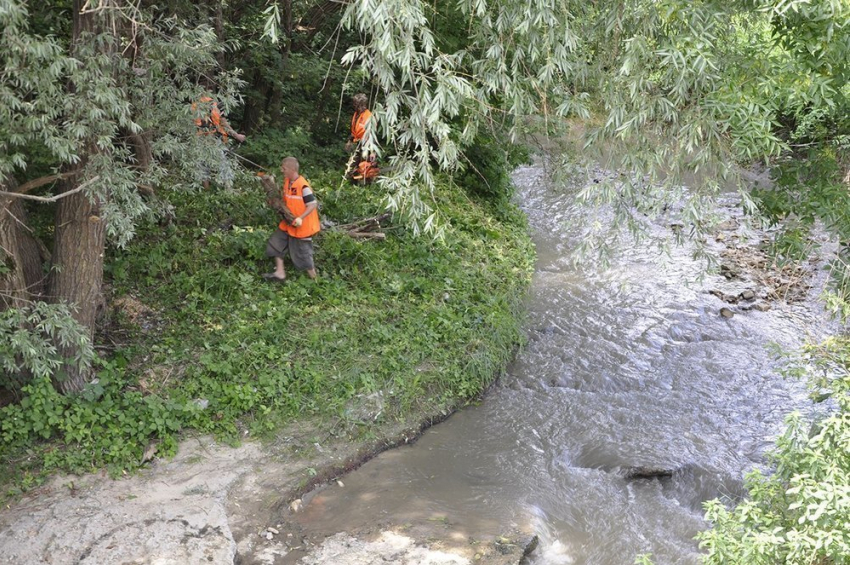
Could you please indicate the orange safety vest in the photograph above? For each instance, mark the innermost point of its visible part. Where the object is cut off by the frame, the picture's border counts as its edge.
(358, 124)
(294, 200)
(211, 124)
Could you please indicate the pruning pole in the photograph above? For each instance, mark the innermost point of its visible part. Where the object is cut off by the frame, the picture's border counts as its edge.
(245, 159)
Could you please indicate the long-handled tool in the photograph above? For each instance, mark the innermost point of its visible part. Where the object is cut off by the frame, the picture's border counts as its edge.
(245, 159)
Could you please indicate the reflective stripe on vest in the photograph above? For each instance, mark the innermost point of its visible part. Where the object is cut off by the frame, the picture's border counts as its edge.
(293, 197)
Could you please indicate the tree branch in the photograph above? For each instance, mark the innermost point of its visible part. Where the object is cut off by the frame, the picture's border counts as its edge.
(51, 198)
(27, 186)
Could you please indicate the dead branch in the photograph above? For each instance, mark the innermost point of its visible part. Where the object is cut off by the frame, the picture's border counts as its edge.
(366, 224)
(367, 235)
(365, 228)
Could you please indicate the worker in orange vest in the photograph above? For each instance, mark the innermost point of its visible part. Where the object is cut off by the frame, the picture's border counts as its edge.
(215, 125)
(294, 236)
(363, 164)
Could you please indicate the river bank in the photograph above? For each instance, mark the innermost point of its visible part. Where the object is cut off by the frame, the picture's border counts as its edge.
(279, 501)
(313, 377)
(217, 504)
(648, 387)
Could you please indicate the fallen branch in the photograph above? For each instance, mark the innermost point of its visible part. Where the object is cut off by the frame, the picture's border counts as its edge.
(365, 224)
(366, 228)
(367, 235)
(274, 200)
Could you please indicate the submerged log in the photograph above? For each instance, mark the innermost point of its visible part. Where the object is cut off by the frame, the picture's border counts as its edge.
(634, 473)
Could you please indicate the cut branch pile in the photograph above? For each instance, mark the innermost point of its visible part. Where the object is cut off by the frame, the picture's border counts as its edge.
(366, 228)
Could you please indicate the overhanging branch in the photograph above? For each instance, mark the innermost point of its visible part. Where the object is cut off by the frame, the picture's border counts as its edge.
(28, 186)
(51, 198)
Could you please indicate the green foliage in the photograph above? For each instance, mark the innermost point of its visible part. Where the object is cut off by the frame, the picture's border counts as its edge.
(108, 424)
(113, 96)
(425, 324)
(489, 161)
(28, 339)
(268, 147)
(509, 65)
(799, 514)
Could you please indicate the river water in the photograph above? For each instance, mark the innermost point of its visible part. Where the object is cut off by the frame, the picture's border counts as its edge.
(627, 365)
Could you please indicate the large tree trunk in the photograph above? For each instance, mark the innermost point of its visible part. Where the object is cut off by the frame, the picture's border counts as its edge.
(32, 253)
(80, 234)
(78, 272)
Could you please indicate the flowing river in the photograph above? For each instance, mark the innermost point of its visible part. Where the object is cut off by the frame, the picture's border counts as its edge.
(626, 366)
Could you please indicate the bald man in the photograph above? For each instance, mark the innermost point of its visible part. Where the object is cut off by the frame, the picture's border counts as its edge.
(294, 237)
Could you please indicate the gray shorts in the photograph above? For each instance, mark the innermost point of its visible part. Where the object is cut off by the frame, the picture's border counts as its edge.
(300, 249)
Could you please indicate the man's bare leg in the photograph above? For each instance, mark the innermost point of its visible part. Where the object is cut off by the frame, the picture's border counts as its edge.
(279, 271)
(279, 274)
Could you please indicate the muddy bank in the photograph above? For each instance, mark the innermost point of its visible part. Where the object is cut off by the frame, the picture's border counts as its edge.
(216, 504)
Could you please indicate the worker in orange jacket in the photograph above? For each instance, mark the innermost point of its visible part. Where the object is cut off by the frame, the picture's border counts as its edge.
(294, 236)
(217, 128)
(363, 164)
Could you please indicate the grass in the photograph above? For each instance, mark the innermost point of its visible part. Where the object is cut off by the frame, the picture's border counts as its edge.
(391, 327)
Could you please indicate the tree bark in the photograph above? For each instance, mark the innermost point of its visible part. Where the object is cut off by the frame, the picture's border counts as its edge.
(141, 149)
(21, 279)
(78, 273)
(287, 17)
(80, 234)
(12, 282)
(218, 24)
(20, 253)
(32, 253)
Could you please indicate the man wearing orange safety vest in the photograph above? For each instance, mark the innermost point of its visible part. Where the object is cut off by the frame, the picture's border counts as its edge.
(363, 165)
(214, 126)
(295, 236)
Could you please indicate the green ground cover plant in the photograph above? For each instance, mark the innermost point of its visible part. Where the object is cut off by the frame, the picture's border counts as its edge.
(212, 348)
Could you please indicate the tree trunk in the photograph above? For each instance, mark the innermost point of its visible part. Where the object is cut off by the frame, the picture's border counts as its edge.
(20, 253)
(218, 25)
(33, 255)
(12, 283)
(255, 105)
(287, 22)
(141, 149)
(21, 278)
(80, 234)
(78, 272)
